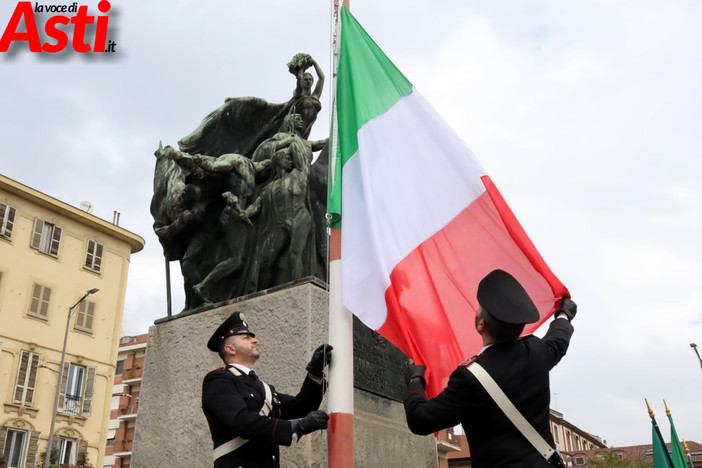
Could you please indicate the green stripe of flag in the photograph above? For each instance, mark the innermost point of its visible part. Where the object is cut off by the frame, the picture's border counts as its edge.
(368, 84)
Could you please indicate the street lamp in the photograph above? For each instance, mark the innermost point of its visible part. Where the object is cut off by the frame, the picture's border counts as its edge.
(694, 346)
(60, 375)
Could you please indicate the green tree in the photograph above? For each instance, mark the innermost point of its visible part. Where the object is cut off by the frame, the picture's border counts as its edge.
(613, 460)
(82, 461)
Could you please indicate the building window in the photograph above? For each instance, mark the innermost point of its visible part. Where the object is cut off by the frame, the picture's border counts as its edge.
(555, 433)
(85, 316)
(568, 441)
(579, 460)
(93, 256)
(67, 451)
(26, 378)
(46, 237)
(76, 394)
(7, 220)
(39, 307)
(14, 448)
(120, 367)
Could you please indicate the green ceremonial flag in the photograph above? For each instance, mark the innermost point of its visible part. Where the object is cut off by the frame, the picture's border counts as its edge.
(661, 459)
(675, 445)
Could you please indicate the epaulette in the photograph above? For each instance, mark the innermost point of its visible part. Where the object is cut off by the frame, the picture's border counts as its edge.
(471, 360)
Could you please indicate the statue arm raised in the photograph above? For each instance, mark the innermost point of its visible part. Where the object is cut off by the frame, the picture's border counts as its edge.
(320, 79)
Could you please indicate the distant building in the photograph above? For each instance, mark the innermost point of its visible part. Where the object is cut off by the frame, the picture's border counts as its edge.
(51, 253)
(632, 453)
(125, 401)
(570, 438)
(454, 451)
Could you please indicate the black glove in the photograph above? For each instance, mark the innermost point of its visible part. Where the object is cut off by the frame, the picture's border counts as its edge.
(412, 372)
(314, 421)
(569, 308)
(322, 356)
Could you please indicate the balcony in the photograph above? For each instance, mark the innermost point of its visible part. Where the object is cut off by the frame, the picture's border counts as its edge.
(72, 405)
(128, 411)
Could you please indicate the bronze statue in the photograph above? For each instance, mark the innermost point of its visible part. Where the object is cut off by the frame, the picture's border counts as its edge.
(240, 205)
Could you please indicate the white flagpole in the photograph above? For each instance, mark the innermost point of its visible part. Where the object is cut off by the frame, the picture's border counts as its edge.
(340, 407)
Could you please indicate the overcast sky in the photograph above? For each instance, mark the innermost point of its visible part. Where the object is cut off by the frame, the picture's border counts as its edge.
(586, 114)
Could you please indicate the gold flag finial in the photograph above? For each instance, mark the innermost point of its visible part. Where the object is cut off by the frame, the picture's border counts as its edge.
(650, 411)
(667, 411)
(685, 447)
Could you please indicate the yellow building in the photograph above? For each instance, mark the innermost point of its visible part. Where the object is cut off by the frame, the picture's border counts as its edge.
(51, 253)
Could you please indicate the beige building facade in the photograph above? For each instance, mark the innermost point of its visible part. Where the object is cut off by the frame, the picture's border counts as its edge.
(51, 253)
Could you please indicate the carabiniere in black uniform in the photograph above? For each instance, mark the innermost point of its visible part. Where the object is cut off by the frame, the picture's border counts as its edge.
(232, 402)
(519, 367)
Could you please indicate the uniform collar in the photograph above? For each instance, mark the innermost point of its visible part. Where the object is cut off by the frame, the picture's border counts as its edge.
(241, 367)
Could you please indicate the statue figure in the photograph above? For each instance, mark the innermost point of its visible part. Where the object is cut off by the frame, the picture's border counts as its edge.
(240, 204)
(305, 101)
(285, 239)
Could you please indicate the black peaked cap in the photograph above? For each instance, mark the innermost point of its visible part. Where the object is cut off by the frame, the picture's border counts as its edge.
(234, 325)
(501, 296)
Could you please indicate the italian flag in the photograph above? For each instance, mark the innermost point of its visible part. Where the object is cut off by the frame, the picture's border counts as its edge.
(421, 222)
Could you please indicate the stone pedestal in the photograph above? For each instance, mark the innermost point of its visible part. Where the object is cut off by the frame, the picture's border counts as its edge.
(290, 322)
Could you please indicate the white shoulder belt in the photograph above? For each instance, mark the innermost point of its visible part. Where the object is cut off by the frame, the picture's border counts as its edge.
(511, 411)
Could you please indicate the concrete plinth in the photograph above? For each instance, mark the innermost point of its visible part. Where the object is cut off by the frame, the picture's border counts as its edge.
(290, 322)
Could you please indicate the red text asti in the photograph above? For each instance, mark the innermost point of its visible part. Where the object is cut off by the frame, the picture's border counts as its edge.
(53, 29)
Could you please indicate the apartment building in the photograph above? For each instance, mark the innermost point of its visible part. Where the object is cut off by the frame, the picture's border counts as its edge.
(51, 254)
(125, 401)
(454, 451)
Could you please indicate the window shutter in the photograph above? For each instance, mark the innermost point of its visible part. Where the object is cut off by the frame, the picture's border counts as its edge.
(3, 436)
(35, 305)
(80, 316)
(90, 255)
(46, 296)
(88, 394)
(98, 258)
(90, 313)
(84, 317)
(26, 378)
(93, 256)
(55, 240)
(31, 379)
(33, 449)
(22, 371)
(7, 220)
(62, 386)
(41, 295)
(36, 233)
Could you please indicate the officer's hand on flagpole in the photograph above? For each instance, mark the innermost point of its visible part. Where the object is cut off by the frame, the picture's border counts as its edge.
(415, 373)
(321, 357)
(568, 308)
(313, 421)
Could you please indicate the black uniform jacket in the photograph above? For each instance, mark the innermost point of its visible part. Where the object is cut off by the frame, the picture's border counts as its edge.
(231, 405)
(521, 370)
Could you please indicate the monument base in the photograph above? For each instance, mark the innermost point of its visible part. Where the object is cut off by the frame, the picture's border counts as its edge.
(290, 322)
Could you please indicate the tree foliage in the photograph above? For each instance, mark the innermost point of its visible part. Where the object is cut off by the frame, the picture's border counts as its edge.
(614, 460)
